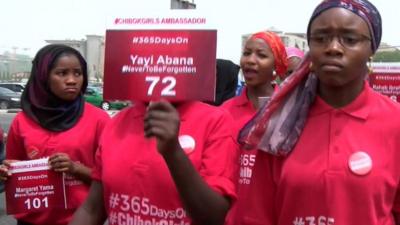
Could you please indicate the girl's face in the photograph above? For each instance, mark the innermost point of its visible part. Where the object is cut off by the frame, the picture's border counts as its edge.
(257, 63)
(66, 78)
(340, 46)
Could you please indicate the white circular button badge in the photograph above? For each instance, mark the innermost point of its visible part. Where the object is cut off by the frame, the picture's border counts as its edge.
(187, 143)
(360, 163)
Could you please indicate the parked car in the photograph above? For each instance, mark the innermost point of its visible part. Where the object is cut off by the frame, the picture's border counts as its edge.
(95, 97)
(15, 87)
(98, 89)
(9, 99)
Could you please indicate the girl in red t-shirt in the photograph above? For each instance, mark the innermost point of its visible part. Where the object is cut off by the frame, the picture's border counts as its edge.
(55, 122)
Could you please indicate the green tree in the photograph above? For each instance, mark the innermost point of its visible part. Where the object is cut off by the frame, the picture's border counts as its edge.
(393, 56)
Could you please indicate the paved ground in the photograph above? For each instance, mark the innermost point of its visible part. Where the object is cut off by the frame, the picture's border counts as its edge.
(4, 219)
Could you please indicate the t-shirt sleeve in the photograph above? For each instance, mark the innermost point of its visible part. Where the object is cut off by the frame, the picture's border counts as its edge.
(15, 145)
(396, 203)
(396, 207)
(103, 120)
(97, 169)
(220, 165)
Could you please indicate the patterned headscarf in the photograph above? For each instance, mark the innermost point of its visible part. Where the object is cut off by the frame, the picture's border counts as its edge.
(37, 100)
(363, 8)
(278, 50)
(278, 125)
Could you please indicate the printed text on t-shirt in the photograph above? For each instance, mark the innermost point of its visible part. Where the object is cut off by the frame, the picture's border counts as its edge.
(136, 210)
(246, 167)
(313, 220)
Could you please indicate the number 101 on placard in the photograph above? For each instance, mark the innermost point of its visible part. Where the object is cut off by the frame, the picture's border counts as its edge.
(36, 203)
(167, 84)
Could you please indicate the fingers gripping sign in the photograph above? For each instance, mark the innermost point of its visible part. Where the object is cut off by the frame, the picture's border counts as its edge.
(4, 169)
(162, 122)
(61, 162)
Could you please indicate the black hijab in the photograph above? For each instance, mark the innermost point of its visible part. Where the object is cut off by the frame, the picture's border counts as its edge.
(37, 100)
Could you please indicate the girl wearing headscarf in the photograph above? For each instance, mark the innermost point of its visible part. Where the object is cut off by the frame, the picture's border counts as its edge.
(263, 57)
(294, 56)
(56, 122)
(328, 144)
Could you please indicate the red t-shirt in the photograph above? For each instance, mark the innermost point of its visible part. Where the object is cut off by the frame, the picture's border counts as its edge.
(242, 110)
(138, 188)
(1, 143)
(28, 140)
(324, 180)
(1, 135)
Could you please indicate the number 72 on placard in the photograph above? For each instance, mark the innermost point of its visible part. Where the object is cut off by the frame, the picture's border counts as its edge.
(167, 82)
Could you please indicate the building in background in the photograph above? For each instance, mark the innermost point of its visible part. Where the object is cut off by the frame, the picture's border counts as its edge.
(183, 4)
(92, 49)
(385, 47)
(298, 40)
(15, 66)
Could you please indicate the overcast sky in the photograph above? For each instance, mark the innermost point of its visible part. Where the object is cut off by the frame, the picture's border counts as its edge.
(27, 23)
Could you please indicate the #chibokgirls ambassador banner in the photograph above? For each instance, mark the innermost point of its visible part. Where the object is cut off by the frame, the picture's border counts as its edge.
(34, 187)
(170, 57)
(385, 79)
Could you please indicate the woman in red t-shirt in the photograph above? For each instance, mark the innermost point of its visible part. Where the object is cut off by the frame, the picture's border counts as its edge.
(58, 124)
(263, 58)
(328, 143)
